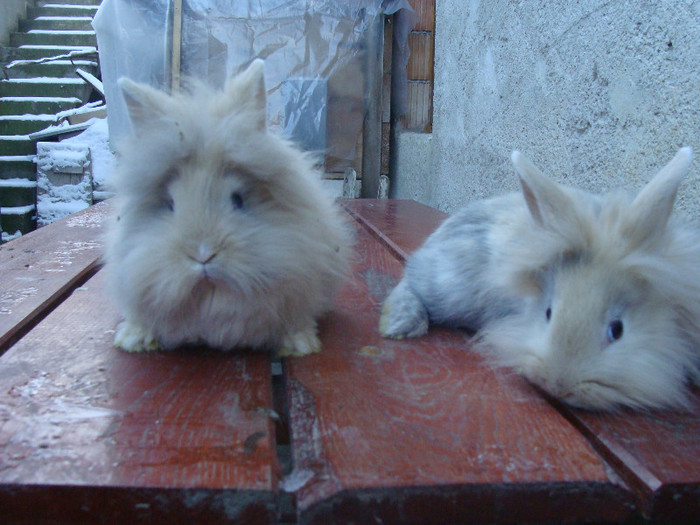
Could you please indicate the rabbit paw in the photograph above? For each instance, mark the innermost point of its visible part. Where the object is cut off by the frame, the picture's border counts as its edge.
(403, 314)
(301, 343)
(132, 337)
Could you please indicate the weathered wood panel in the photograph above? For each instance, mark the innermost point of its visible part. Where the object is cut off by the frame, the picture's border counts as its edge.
(421, 431)
(400, 225)
(658, 454)
(425, 9)
(37, 270)
(90, 433)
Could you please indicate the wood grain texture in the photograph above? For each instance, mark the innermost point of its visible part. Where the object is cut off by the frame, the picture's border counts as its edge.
(421, 431)
(420, 63)
(658, 454)
(425, 9)
(400, 225)
(89, 433)
(39, 269)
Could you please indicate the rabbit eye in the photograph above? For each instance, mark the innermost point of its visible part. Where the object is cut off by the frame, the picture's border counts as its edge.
(615, 329)
(548, 314)
(170, 204)
(236, 200)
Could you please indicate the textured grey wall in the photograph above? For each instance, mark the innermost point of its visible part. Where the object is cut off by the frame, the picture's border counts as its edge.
(598, 94)
(10, 12)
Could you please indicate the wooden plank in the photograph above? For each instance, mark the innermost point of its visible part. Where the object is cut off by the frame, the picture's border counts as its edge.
(39, 268)
(421, 431)
(658, 454)
(419, 116)
(89, 433)
(420, 63)
(176, 52)
(400, 225)
(425, 9)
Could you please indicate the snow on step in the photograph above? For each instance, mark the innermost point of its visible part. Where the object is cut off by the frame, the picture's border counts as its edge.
(49, 60)
(71, 100)
(60, 32)
(45, 80)
(60, 62)
(7, 237)
(87, 49)
(64, 18)
(26, 116)
(16, 158)
(72, 6)
(17, 183)
(17, 210)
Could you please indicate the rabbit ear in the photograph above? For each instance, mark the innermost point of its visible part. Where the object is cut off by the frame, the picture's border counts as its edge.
(143, 102)
(650, 210)
(549, 205)
(247, 90)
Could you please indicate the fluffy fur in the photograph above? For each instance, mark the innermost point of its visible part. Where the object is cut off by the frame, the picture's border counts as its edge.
(223, 234)
(596, 299)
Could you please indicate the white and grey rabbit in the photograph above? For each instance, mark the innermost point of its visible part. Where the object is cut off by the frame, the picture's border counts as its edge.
(223, 234)
(596, 299)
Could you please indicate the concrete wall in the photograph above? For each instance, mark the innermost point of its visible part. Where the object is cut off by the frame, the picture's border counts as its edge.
(10, 12)
(598, 94)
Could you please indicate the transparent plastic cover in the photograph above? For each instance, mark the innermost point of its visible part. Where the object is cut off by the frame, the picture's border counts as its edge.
(318, 58)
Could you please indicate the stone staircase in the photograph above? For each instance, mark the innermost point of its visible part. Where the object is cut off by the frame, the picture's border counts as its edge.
(38, 80)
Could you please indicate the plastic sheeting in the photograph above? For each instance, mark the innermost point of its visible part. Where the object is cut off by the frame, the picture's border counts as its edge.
(318, 56)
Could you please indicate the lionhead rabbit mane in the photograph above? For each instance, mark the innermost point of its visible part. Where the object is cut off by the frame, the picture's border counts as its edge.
(595, 298)
(224, 234)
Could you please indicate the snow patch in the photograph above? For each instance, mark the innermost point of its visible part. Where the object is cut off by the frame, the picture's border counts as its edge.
(296, 480)
(15, 137)
(45, 80)
(27, 116)
(60, 32)
(96, 137)
(91, 49)
(17, 210)
(72, 6)
(64, 18)
(18, 158)
(7, 237)
(66, 175)
(17, 183)
(64, 182)
(71, 100)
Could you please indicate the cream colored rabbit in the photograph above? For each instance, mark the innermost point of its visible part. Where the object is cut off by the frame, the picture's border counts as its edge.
(223, 235)
(596, 299)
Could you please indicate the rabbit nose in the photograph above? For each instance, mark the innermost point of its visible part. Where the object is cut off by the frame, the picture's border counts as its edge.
(204, 254)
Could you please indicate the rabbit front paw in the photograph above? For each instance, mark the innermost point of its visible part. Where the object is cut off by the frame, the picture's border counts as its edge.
(132, 337)
(403, 314)
(301, 343)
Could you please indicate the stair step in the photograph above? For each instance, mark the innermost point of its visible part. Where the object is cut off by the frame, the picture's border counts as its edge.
(55, 9)
(18, 219)
(55, 68)
(36, 105)
(45, 87)
(17, 192)
(54, 38)
(71, 2)
(31, 52)
(17, 145)
(18, 167)
(24, 124)
(57, 22)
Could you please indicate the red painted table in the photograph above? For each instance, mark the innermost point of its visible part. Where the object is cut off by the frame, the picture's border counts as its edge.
(368, 431)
